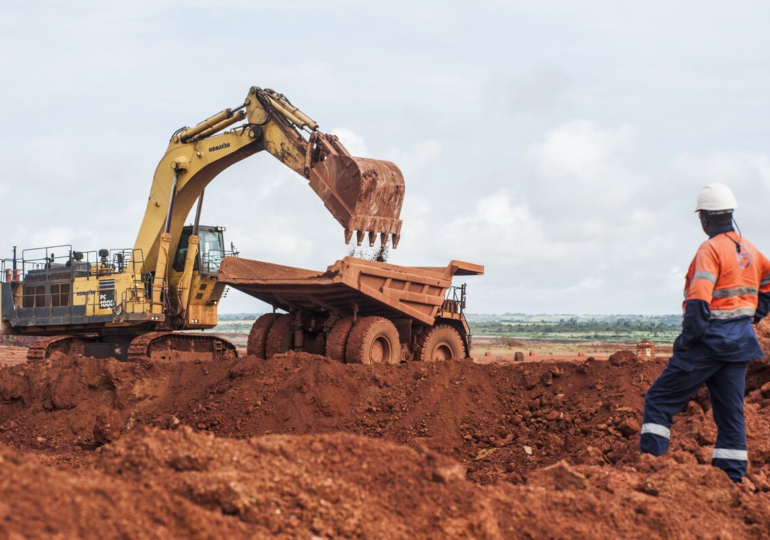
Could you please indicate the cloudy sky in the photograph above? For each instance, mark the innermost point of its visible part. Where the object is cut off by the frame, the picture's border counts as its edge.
(559, 143)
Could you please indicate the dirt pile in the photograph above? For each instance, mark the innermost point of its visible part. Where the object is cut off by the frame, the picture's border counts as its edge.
(249, 448)
(502, 420)
(461, 409)
(45, 502)
(183, 484)
(658, 498)
(164, 484)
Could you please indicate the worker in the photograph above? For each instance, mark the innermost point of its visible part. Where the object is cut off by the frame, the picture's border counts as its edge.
(727, 288)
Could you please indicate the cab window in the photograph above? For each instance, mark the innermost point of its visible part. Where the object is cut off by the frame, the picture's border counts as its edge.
(181, 252)
(212, 250)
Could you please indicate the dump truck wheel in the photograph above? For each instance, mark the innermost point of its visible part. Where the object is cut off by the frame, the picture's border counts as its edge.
(440, 343)
(373, 340)
(258, 335)
(280, 336)
(338, 339)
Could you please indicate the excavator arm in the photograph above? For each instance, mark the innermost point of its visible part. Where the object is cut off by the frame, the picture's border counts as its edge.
(364, 195)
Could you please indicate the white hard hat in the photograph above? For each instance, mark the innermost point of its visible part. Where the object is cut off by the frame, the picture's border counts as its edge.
(716, 197)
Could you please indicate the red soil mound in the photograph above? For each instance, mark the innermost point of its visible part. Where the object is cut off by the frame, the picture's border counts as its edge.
(165, 484)
(502, 421)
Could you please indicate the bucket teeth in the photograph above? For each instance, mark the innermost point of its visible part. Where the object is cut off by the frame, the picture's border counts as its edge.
(371, 237)
(396, 238)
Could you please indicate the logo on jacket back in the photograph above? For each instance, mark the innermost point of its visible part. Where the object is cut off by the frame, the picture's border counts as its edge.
(744, 257)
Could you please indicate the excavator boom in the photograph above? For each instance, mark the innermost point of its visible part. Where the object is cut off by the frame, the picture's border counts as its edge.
(364, 195)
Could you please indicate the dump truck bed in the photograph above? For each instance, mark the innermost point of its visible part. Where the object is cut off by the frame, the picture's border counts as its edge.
(351, 284)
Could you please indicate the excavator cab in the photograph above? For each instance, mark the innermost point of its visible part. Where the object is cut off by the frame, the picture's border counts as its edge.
(211, 250)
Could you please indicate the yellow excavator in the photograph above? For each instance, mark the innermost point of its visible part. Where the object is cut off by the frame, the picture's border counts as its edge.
(127, 303)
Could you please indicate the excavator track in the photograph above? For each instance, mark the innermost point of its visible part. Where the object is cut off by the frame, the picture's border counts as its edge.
(155, 346)
(164, 346)
(41, 348)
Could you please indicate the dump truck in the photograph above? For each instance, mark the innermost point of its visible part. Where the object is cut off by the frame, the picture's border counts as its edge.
(131, 303)
(357, 311)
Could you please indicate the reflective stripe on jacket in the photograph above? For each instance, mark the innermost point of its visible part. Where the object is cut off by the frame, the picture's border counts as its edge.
(726, 288)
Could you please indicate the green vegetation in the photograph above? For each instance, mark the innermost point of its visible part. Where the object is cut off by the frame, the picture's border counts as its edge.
(661, 329)
(235, 323)
(250, 317)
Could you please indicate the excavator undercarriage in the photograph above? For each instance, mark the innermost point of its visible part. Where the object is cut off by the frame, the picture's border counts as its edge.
(156, 346)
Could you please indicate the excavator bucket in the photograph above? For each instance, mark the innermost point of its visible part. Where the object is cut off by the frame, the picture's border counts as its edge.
(364, 195)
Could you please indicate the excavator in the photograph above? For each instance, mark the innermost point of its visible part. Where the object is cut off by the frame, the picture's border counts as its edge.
(131, 304)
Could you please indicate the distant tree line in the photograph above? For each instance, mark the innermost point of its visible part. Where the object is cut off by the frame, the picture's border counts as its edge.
(621, 327)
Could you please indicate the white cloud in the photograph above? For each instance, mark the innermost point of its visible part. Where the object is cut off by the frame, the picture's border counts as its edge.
(501, 231)
(745, 172)
(580, 182)
(354, 142)
(418, 162)
(587, 284)
(64, 235)
(580, 159)
(55, 163)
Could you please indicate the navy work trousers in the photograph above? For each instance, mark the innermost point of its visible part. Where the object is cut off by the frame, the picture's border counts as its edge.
(670, 394)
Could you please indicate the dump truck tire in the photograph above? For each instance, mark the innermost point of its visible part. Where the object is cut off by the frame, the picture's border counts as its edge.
(258, 335)
(338, 339)
(440, 343)
(373, 340)
(280, 336)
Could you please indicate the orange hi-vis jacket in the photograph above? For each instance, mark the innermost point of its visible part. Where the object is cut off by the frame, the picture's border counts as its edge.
(726, 288)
